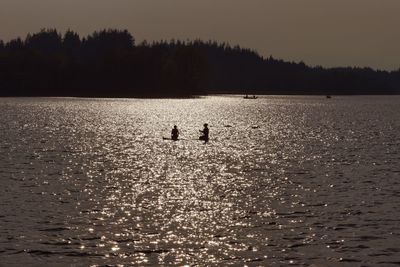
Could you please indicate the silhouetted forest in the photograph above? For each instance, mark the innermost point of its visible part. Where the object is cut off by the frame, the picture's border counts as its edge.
(109, 63)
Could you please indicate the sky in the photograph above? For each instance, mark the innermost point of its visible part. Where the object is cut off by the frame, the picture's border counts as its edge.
(329, 33)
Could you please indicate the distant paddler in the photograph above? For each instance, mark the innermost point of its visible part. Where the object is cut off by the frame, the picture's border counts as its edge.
(205, 131)
(175, 133)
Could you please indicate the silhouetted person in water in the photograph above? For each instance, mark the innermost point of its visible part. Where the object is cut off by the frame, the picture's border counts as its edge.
(175, 133)
(205, 132)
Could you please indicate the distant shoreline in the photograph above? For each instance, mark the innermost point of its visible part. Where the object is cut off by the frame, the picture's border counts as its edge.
(198, 96)
(109, 63)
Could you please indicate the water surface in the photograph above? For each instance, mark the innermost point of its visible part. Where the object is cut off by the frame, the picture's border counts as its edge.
(283, 181)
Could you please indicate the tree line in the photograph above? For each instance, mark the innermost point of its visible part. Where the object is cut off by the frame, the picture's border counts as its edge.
(109, 63)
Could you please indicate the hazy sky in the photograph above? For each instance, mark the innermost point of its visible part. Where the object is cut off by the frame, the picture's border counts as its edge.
(319, 32)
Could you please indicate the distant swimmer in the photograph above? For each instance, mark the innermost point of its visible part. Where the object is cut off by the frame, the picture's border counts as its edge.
(175, 133)
(205, 131)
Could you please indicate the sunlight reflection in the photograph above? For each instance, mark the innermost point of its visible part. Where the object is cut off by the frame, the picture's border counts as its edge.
(263, 191)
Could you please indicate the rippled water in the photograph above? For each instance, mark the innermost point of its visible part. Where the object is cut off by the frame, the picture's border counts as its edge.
(284, 180)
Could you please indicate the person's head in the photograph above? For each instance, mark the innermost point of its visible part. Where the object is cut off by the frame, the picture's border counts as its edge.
(175, 126)
(205, 124)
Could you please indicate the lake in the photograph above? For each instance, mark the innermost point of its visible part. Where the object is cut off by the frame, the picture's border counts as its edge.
(284, 180)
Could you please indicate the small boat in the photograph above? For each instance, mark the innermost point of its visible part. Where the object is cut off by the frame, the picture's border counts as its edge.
(328, 96)
(250, 97)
